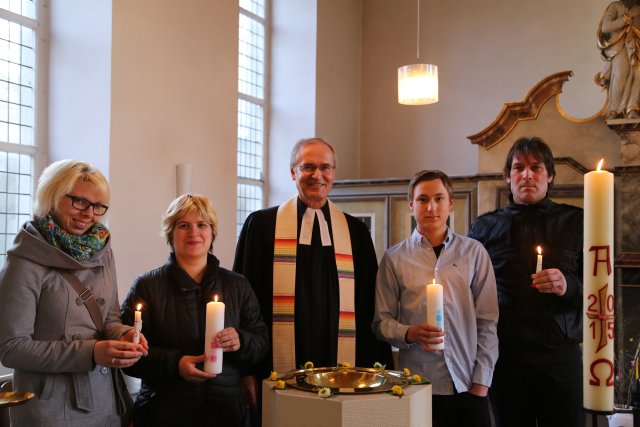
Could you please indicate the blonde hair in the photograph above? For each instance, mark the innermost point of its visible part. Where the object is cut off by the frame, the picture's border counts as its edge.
(57, 180)
(184, 205)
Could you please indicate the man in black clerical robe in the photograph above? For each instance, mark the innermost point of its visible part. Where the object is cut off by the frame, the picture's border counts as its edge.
(316, 278)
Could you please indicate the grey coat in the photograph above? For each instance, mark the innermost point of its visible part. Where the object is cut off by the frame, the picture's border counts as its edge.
(47, 335)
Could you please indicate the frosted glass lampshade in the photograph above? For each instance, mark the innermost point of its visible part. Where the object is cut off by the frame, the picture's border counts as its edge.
(418, 84)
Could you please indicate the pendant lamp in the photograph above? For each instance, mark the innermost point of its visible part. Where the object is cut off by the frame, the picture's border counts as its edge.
(418, 83)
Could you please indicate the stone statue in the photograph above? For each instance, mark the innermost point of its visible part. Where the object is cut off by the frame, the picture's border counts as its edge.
(619, 42)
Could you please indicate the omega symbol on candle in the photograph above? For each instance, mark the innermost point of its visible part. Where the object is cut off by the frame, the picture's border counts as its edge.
(539, 261)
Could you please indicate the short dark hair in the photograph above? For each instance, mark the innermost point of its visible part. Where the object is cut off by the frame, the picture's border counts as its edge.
(531, 146)
(430, 175)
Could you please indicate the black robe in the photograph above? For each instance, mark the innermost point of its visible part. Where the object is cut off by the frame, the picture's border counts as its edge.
(317, 296)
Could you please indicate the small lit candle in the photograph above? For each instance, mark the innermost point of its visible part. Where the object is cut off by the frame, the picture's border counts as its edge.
(539, 262)
(434, 309)
(137, 325)
(215, 323)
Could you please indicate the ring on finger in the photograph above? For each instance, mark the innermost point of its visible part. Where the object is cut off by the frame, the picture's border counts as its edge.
(113, 361)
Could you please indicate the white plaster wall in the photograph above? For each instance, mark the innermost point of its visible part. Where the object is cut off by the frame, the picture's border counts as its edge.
(488, 53)
(80, 81)
(174, 100)
(338, 81)
(293, 89)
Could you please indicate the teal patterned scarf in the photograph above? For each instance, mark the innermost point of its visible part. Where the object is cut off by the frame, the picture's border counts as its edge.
(80, 247)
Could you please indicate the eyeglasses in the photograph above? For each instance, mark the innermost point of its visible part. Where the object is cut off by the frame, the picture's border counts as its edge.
(83, 204)
(310, 168)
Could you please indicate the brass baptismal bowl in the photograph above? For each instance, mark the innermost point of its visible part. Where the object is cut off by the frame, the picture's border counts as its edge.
(14, 398)
(345, 380)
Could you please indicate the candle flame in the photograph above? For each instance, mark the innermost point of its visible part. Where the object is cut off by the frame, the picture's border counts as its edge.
(539, 250)
(139, 307)
(600, 164)
(434, 280)
(215, 298)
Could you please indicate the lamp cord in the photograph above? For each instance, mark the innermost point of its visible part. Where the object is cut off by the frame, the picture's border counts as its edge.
(418, 35)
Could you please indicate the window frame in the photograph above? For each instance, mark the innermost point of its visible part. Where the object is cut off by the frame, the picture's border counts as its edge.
(38, 151)
(263, 103)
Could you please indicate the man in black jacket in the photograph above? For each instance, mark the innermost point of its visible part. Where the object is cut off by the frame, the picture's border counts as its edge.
(538, 376)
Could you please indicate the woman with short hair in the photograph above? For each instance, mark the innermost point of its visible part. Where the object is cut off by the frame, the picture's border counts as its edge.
(175, 388)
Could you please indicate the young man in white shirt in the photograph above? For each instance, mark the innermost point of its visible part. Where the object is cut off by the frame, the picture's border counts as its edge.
(461, 373)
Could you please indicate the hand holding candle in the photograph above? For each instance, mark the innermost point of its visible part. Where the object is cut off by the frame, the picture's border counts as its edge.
(228, 339)
(215, 323)
(539, 261)
(137, 325)
(435, 314)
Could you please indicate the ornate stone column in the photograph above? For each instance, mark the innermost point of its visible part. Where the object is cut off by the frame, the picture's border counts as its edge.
(629, 131)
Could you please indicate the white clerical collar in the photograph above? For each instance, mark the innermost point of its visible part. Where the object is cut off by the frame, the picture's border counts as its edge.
(306, 228)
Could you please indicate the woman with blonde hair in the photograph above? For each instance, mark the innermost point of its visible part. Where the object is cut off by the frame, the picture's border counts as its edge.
(175, 388)
(60, 327)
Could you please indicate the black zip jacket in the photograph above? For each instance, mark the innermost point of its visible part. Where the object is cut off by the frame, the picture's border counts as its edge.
(173, 321)
(528, 318)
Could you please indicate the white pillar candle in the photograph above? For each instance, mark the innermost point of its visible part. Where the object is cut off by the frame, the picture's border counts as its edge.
(137, 325)
(215, 323)
(539, 261)
(598, 301)
(435, 315)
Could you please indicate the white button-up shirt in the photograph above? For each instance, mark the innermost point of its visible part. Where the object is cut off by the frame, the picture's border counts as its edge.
(470, 309)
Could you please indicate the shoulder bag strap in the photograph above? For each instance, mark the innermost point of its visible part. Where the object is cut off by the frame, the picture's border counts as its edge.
(87, 298)
(124, 403)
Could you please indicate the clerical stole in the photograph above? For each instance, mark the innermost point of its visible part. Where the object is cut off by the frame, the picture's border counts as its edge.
(284, 286)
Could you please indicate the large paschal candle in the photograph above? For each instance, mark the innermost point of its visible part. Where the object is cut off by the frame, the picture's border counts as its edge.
(598, 300)
(215, 323)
